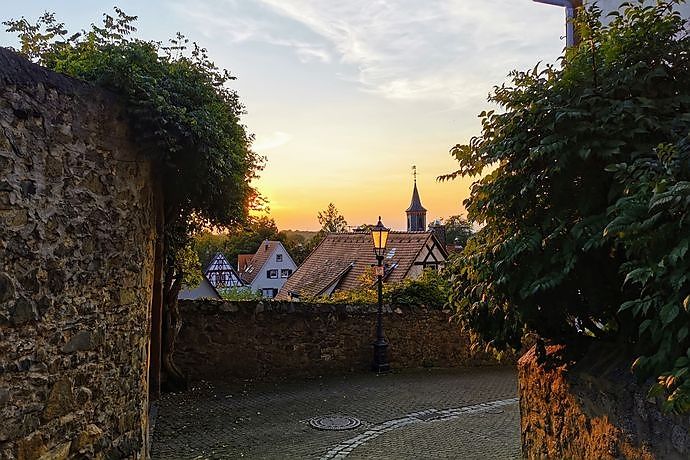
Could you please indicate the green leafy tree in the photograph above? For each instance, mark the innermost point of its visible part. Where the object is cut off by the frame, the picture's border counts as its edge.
(652, 223)
(188, 261)
(248, 239)
(244, 239)
(458, 230)
(298, 244)
(331, 220)
(182, 111)
(207, 243)
(571, 247)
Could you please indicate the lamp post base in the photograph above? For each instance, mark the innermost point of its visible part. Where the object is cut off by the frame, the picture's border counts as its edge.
(381, 364)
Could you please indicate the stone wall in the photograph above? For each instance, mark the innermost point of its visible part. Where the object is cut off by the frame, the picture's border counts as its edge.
(593, 410)
(271, 340)
(76, 242)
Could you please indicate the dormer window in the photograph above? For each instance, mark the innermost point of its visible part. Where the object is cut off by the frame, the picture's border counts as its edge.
(279, 257)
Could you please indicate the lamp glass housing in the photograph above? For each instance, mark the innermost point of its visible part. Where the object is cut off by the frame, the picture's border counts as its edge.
(379, 234)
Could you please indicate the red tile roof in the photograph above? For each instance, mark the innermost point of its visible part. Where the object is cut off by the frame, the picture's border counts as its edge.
(257, 260)
(345, 257)
(243, 260)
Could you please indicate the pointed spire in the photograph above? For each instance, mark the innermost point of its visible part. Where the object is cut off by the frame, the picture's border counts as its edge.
(416, 203)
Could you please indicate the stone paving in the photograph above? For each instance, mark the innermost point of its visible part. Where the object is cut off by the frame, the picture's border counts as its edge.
(451, 414)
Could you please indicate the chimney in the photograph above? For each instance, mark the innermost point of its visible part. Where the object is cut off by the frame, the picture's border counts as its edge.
(438, 229)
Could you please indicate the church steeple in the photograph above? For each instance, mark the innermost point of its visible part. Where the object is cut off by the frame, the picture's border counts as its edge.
(416, 214)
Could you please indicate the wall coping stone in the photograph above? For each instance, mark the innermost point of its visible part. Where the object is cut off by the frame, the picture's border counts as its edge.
(213, 306)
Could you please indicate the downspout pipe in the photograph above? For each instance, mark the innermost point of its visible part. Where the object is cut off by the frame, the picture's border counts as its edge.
(569, 15)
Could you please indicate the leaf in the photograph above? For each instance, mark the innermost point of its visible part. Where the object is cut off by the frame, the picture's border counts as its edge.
(683, 361)
(679, 251)
(645, 325)
(668, 313)
(656, 390)
(639, 276)
(682, 334)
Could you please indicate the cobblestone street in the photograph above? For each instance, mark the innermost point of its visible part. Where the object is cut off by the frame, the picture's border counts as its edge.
(452, 414)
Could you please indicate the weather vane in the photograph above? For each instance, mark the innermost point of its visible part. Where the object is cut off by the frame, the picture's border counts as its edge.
(414, 172)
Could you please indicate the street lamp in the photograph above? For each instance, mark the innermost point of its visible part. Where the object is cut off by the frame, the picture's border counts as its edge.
(379, 234)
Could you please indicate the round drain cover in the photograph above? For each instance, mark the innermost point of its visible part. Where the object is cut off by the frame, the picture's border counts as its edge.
(334, 422)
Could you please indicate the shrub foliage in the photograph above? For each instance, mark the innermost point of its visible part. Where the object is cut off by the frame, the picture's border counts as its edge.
(585, 210)
(430, 290)
(182, 112)
(180, 107)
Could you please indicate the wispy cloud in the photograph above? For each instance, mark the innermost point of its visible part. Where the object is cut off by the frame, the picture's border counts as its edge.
(436, 49)
(249, 21)
(399, 49)
(271, 141)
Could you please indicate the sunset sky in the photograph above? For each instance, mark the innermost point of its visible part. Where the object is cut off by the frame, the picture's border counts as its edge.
(345, 96)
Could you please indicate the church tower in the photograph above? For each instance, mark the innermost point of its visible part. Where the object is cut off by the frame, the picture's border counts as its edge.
(416, 214)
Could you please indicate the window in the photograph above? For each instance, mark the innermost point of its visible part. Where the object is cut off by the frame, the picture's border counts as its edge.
(285, 273)
(279, 257)
(269, 292)
(271, 274)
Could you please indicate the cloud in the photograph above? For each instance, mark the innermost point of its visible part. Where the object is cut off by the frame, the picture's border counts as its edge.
(435, 49)
(450, 50)
(235, 22)
(271, 141)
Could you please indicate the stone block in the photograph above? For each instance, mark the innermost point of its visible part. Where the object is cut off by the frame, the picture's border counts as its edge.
(60, 452)
(22, 311)
(88, 438)
(31, 447)
(7, 291)
(60, 400)
(81, 341)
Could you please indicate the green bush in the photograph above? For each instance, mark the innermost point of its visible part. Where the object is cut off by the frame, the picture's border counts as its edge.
(430, 290)
(585, 210)
(240, 294)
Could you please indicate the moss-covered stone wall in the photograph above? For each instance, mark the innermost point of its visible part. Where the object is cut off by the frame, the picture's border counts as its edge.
(76, 264)
(273, 340)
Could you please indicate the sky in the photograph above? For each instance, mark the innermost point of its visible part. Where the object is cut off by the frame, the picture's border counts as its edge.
(343, 97)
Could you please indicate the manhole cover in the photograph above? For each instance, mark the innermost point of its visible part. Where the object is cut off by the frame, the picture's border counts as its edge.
(334, 422)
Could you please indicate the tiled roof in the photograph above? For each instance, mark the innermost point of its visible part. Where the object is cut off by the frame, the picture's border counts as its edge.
(258, 260)
(345, 257)
(243, 260)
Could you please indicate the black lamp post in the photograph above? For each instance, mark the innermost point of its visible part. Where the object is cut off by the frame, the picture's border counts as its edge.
(379, 234)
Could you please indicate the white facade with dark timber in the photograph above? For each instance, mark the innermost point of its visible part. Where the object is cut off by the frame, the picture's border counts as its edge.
(433, 256)
(221, 274)
(267, 270)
